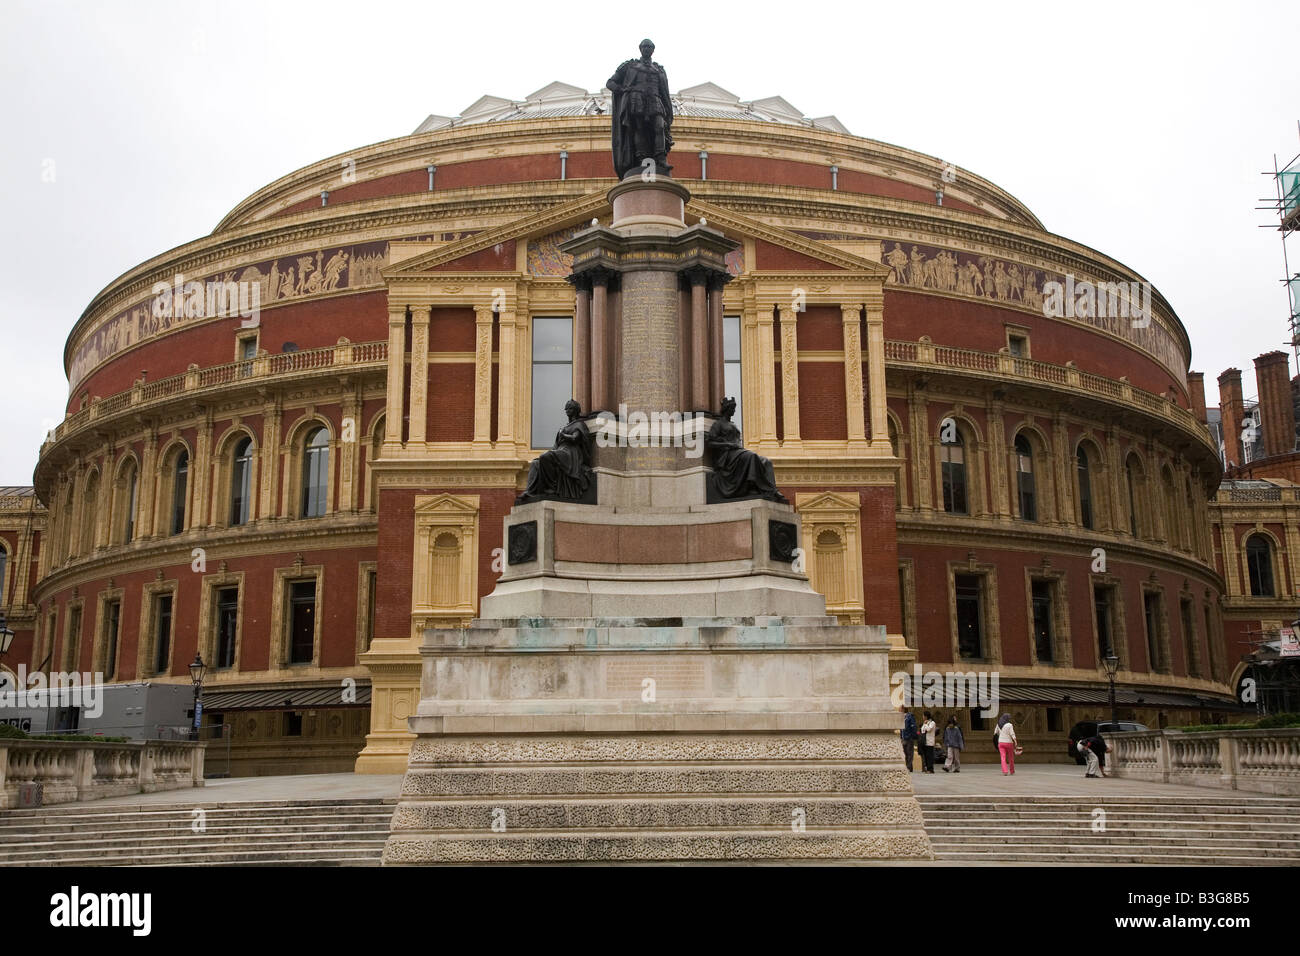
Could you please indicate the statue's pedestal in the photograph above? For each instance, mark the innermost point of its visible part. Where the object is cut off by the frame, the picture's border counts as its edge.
(728, 739)
(653, 678)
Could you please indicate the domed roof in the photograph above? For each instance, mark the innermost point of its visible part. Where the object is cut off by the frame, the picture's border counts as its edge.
(563, 99)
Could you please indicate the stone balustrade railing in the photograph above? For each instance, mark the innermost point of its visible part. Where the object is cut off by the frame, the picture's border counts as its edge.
(351, 354)
(71, 771)
(1262, 761)
(1003, 365)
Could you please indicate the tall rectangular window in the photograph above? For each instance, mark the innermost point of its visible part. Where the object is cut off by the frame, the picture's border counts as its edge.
(112, 624)
(302, 622)
(1189, 638)
(552, 376)
(731, 383)
(73, 650)
(970, 624)
(227, 624)
(1151, 608)
(1041, 598)
(132, 491)
(953, 470)
(162, 619)
(1101, 602)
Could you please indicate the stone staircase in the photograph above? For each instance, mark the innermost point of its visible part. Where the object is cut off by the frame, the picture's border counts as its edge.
(302, 833)
(1199, 828)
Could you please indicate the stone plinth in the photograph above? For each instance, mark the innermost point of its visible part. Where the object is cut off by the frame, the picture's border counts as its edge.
(698, 560)
(733, 739)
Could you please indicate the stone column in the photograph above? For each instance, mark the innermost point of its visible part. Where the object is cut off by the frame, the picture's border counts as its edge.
(1118, 484)
(699, 280)
(267, 457)
(144, 517)
(851, 319)
(349, 457)
(997, 502)
(201, 476)
(1063, 468)
(419, 401)
(582, 358)
(922, 449)
(789, 374)
(601, 399)
(506, 345)
(483, 317)
(766, 377)
(717, 379)
(875, 309)
(396, 376)
(684, 340)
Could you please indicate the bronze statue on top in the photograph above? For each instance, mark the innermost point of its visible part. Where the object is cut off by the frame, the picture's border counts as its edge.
(642, 114)
(737, 472)
(564, 473)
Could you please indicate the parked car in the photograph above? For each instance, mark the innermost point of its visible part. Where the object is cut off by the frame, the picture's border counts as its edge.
(1088, 728)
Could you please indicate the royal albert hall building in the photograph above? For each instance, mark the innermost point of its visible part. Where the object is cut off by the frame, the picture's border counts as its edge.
(297, 497)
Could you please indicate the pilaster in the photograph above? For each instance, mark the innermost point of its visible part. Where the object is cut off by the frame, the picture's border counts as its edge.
(419, 402)
(789, 320)
(483, 318)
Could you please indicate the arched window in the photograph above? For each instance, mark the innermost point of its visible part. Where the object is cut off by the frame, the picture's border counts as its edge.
(953, 457)
(1086, 517)
(90, 500)
(446, 570)
(315, 470)
(1259, 562)
(1133, 476)
(4, 565)
(132, 501)
(241, 482)
(180, 491)
(1025, 479)
(125, 492)
(830, 567)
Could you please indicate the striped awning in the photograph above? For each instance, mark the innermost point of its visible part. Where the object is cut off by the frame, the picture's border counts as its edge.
(1021, 693)
(284, 698)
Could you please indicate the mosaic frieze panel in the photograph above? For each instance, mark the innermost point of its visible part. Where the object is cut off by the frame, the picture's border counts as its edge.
(1017, 285)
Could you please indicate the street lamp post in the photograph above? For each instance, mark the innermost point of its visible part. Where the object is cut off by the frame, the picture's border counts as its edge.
(197, 670)
(1111, 663)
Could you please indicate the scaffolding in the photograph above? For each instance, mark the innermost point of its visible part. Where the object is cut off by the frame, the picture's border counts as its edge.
(1285, 204)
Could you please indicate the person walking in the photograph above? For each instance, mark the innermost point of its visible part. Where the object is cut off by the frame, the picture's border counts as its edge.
(954, 743)
(927, 743)
(1007, 744)
(908, 737)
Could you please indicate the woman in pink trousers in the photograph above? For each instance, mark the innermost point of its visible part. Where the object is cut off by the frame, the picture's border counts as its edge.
(1007, 744)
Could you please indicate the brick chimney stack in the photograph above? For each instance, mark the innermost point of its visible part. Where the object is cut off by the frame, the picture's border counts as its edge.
(1277, 415)
(1230, 412)
(1196, 388)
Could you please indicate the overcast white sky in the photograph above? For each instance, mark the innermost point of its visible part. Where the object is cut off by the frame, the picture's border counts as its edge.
(1137, 128)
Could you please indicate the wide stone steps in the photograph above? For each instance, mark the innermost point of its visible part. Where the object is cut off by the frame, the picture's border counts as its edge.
(307, 833)
(1197, 829)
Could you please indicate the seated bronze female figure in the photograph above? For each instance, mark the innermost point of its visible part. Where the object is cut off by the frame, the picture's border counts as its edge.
(564, 472)
(737, 473)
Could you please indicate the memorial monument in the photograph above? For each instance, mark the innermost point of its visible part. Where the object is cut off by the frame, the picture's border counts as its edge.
(653, 678)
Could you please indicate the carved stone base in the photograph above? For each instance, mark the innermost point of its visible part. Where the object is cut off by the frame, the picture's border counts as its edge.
(634, 741)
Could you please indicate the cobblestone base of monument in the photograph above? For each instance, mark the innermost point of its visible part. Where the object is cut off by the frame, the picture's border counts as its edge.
(572, 798)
